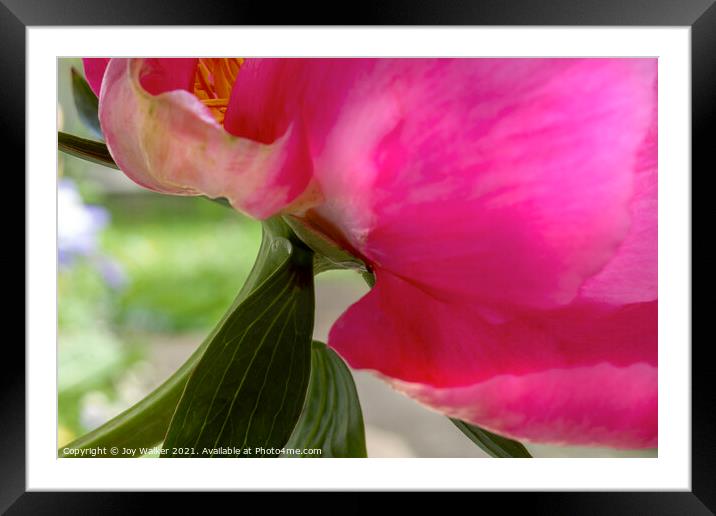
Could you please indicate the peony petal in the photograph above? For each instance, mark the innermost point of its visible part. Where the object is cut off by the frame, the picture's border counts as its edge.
(406, 333)
(170, 142)
(601, 405)
(270, 94)
(346, 105)
(631, 276)
(94, 71)
(502, 181)
(451, 354)
(168, 74)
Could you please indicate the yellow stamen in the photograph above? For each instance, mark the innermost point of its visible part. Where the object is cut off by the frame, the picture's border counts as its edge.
(202, 77)
(213, 82)
(234, 66)
(215, 102)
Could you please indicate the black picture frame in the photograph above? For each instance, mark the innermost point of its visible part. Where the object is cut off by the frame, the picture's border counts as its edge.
(700, 15)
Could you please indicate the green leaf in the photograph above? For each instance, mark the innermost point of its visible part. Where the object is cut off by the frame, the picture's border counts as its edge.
(86, 103)
(248, 389)
(145, 424)
(83, 148)
(331, 419)
(493, 444)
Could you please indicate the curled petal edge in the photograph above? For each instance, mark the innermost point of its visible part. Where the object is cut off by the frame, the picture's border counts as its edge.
(168, 142)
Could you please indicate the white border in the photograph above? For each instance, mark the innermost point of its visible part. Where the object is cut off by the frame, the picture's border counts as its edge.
(671, 470)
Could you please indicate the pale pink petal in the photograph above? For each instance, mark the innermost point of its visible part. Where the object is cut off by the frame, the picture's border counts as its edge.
(94, 71)
(443, 347)
(170, 142)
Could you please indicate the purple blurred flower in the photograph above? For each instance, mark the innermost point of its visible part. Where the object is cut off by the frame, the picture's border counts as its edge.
(112, 272)
(78, 224)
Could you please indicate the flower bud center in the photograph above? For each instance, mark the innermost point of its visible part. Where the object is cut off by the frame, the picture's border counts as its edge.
(213, 82)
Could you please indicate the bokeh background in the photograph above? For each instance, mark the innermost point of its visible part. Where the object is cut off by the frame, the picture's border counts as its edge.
(143, 277)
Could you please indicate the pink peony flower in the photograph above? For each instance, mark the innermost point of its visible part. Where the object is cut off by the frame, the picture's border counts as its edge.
(507, 206)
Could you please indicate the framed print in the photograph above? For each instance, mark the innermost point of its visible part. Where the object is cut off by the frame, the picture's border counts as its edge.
(411, 246)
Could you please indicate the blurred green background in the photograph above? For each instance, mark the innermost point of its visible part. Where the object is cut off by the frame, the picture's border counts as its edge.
(144, 277)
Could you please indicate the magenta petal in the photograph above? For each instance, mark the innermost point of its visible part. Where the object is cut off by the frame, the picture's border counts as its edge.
(270, 94)
(631, 275)
(601, 405)
(264, 98)
(170, 142)
(158, 75)
(520, 172)
(455, 358)
(94, 72)
(161, 75)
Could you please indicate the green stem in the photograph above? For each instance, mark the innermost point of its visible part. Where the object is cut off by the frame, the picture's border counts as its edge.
(90, 150)
(144, 424)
